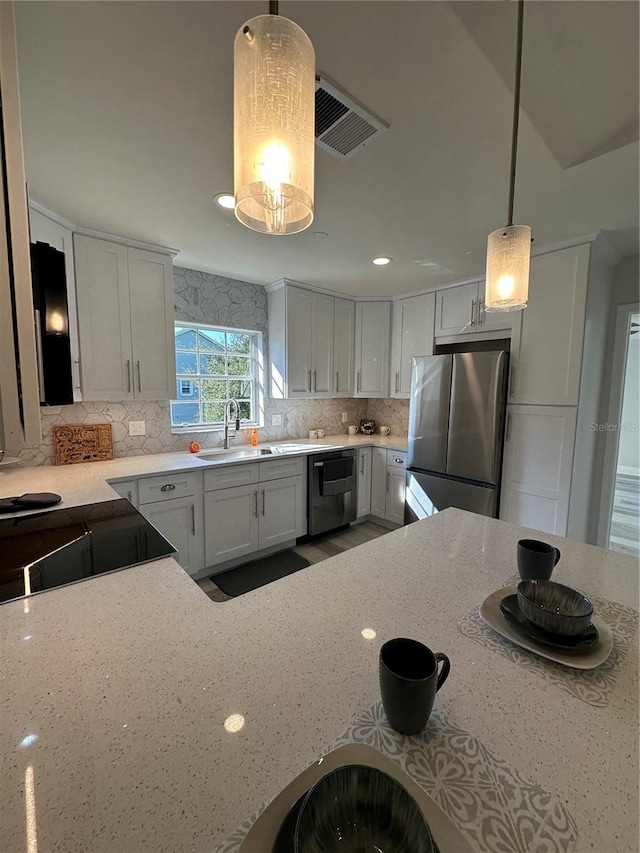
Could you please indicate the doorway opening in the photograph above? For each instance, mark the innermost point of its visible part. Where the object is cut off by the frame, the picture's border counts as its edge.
(623, 451)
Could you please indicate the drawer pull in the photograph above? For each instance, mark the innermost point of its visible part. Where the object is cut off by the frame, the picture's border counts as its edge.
(398, 460)
(168, 488)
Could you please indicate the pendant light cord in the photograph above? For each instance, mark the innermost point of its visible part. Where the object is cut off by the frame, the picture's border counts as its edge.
(516, 111)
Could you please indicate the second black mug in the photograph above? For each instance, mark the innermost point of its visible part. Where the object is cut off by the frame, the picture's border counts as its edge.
(409, 681)
(536, 560)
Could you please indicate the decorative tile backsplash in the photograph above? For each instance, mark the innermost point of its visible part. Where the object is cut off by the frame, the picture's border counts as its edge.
(204, 298)
(390, 412)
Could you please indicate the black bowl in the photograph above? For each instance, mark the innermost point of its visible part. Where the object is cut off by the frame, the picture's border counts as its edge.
(357, 808)
(554, 607)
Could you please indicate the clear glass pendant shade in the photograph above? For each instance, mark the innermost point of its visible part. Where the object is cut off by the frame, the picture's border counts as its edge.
(508, 260)
(274, 115)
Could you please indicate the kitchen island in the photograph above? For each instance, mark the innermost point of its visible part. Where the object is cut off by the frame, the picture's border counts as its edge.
(116, 691)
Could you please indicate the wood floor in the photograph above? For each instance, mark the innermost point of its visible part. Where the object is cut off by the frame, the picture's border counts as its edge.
(625, 520)
(316, 550)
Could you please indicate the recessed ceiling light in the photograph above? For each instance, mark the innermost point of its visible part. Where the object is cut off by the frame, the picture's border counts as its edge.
(225, 200)
(381, 262)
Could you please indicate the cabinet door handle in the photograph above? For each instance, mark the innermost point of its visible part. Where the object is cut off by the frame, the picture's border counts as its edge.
(473, 313)
(397, 381)
(480, 311)
(168, 488)
(76, 362)
(508, 430)
(255, 504)
(358, 382)
(193, 520)
(512, 384)
(362, 465)
(129, 495)
(128, 376)
(139, 377)
(315, 382)
(309, 380)
(264, 501)
(387, 489)
(337, 380)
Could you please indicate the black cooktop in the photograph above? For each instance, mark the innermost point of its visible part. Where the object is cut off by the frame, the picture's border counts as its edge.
(49, 549)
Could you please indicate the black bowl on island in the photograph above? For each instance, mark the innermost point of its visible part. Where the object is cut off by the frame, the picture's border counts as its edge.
(357, 808)
(554, 607)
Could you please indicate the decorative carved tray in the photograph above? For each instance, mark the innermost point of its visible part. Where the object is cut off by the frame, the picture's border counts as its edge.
(82, 443)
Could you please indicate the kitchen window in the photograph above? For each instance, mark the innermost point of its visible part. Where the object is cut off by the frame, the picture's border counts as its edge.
(214, 364)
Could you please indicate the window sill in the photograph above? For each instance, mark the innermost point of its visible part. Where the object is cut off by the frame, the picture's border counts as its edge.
(175, 430)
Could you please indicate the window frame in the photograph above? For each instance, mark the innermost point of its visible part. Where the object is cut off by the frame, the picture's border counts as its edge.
(255, 356)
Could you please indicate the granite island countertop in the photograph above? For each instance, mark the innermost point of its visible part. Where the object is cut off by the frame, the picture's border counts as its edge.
(88, 482)
(116, 690)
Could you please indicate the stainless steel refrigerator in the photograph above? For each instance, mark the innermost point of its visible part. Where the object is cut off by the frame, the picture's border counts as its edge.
(456, 430)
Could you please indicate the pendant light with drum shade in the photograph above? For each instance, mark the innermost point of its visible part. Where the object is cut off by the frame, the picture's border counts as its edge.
(274, 125)
(509, 248)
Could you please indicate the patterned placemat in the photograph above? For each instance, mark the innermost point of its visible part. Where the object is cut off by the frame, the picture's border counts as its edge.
(489, 801)
(593, 686)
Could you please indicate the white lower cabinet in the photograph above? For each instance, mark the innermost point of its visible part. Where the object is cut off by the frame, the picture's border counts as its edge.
(364, 482)
(378, 481)
(280, 511)
(538, 463)
(252, 516)
(127, 489)
(394, 506)
(180, 521)
(388, 484)
(232, 527)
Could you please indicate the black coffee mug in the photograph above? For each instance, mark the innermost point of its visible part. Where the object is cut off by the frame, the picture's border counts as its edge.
(409, 681)
(536, 560)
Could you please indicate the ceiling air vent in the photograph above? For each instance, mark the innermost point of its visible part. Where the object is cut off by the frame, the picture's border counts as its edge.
(343, 126)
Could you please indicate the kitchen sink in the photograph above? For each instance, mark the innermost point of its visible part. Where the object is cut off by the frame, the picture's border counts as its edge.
(239, 453)
(235, 453)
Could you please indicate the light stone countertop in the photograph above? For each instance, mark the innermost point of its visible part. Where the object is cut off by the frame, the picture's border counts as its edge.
(88, 482)
(116, 690)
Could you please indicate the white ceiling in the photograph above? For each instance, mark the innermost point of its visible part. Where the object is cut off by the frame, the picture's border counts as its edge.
(127, 117)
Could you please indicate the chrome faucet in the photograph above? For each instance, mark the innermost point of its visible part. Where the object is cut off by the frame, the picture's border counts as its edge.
(227, 418)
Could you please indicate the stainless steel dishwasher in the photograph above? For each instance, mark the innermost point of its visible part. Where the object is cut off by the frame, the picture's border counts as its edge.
(332, 490)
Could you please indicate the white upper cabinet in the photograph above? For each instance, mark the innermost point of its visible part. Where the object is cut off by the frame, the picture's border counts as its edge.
(456, 310)
(47, 230)
(297, 373)
(104, 319)
(152, 324)
(412, 335)
(547, 350)
(19, 392)
(125, 317)
(322, 313)
(461, 310)
(344, 330)
(307, 357)
(373, 327)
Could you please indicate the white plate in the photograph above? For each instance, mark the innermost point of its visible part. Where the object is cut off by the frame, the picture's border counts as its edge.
(589, 659)
(263, 832)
